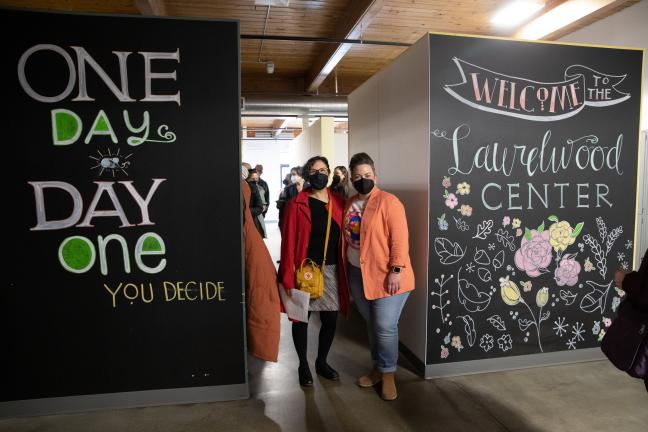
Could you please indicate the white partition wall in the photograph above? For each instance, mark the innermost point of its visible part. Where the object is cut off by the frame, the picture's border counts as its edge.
(388, 119)
(439, 122)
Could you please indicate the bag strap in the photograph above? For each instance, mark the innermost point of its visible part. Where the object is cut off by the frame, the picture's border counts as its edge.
(328, 229)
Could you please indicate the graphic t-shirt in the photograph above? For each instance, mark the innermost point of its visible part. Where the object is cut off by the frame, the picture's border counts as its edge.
(352, 221)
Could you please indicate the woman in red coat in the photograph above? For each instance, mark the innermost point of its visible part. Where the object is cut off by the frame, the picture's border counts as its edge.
(302, 236)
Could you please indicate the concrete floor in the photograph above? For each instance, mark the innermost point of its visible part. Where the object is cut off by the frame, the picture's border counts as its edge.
(590, 396)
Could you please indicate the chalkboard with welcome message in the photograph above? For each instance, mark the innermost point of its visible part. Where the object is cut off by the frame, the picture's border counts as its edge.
(533, 187)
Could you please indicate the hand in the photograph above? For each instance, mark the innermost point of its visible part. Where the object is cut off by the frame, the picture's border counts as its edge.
(288, 290)
(392, 284)
(619, 275)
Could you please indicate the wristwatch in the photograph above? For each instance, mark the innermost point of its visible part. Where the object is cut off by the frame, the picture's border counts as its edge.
(397, 269)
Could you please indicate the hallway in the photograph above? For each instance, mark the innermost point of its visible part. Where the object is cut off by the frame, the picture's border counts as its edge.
(584, 397)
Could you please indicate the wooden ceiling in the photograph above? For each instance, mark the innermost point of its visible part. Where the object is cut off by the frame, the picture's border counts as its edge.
(300, 67)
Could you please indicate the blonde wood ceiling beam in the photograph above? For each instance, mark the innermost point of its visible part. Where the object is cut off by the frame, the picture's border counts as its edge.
(151, 7)
(350, 26)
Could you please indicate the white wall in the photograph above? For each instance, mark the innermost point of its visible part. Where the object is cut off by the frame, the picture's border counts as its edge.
(341, 150)
(628, 28)
(390, 121)
(271, 154)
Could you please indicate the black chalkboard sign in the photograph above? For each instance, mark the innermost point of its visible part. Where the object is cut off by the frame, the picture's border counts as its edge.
(533, 188)
(123, 207)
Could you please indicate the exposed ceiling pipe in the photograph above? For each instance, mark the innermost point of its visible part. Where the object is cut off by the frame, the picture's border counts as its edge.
(323, 40)
(317, 106)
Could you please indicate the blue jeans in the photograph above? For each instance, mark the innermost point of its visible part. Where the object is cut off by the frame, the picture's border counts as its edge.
(382, 321)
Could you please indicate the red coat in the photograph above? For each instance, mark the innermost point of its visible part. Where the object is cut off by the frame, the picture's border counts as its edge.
(295, 236)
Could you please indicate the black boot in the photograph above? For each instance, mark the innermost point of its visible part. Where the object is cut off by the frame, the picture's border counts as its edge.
(324, 370)
(305, 377)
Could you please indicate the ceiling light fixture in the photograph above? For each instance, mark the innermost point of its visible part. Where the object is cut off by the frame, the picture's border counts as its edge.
(559, 17)
(516, 12)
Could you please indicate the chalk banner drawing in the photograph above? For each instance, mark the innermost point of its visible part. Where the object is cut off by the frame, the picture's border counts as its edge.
(127, 270)
(534, 149)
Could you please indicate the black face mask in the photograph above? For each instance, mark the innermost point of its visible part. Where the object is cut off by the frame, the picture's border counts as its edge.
(363, 185)
(318, 181)
(336, 180)
(252, 181)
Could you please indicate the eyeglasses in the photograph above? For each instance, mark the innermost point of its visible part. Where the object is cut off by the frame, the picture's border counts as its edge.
(324, 171)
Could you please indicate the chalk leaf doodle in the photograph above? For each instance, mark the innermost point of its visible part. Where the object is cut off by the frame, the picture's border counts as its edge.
(498, 261)
(461, 224)
(568, 297)
(484, 274)
(470, 297)
(497, 322)
(481, 257)
(595, 299)
(449, 252)
(602, 249)
(440, 295)
(483, 229)
(469, 328)
(506, 239)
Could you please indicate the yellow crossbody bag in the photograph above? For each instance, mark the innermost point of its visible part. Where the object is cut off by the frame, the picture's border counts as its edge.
(310, 277)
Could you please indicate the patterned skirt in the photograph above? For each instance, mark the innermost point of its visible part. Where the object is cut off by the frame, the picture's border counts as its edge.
(330, 301)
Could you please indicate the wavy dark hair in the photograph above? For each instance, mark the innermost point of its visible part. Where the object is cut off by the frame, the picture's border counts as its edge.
(343, 187)
(310, 162)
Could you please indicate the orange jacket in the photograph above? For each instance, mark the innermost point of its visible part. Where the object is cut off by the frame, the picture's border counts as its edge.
(384, 243)
(261, 291)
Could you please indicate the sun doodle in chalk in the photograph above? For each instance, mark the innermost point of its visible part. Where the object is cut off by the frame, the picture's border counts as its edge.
(111, 163)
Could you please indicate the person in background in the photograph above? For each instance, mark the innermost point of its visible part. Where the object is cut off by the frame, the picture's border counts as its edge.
(263, 310)
(257, 203)
(303, 236)
(340, 184)
(379, 268)
(295, 186)
(264, 186)
(635, 285)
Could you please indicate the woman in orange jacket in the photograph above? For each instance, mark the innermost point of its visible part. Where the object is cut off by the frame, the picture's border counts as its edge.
(379, 268)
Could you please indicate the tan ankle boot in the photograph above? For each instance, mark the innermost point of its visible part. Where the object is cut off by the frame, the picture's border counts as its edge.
(388, 387)
(370, 379)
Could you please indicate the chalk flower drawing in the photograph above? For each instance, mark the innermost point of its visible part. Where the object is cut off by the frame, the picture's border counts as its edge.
(505, 342)
(560, 235)
(511, 295)
(445, 352)
(534, 254)
(518, 232)
(446, 183)
(616, 301)
(506, 221)
(463, 188)
(588, 265)
(526, 286)
(442, 222)
(487, 342)
(620, 256)
(567, 271)
(517, 223)
(451, 200)
(628, 244)
(601, 335)
(466, 210)
(596, 328)
(456, 343)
